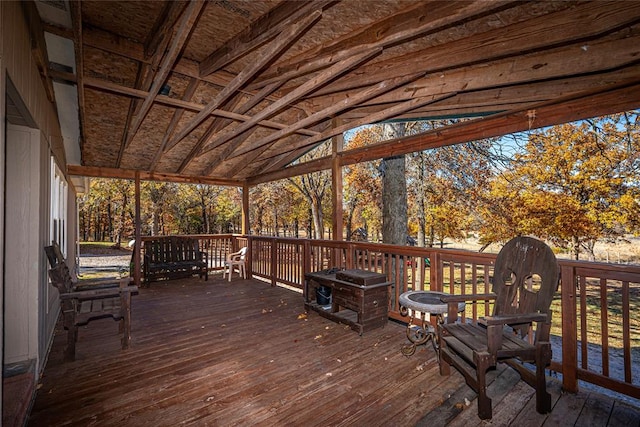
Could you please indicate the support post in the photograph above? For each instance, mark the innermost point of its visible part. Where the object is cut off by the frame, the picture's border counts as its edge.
(336, 183)
(246, 228)
(138, 246)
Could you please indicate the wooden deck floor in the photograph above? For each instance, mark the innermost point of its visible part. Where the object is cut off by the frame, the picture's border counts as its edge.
(243, 353)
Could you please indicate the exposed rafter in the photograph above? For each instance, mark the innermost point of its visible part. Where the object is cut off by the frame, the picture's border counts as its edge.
(259, 32)
(297, 93)
(286, 37)
(188, 19)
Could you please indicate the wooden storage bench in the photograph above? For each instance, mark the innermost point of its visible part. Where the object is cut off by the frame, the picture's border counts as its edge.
(173, 257)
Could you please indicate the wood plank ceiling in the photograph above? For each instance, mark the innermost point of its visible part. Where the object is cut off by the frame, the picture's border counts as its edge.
(233, 92)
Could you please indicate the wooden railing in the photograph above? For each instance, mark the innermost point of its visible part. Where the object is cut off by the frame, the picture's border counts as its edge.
(596, 339)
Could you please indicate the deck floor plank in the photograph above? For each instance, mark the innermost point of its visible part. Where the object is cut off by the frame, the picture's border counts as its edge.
(222, 353)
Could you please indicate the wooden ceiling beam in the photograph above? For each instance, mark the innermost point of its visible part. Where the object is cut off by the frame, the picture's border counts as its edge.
(325, 76)
(496, 99)
(186, 24)
(220, 124)
(567, 27)
(75, 10)
(560, 63)
(102, 172)
(328, 112)
(173, 124)
(260, 32)
(159, 36)
(217, 125)
(133, 104)
(615, 98)
(126, 48)
(385, 114)
(178, 103)
(274, 49)
(418, 19)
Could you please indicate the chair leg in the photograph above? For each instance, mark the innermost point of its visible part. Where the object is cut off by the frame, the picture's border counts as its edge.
(445, 360)
(543, 397)
(484, 402)
(70, 350)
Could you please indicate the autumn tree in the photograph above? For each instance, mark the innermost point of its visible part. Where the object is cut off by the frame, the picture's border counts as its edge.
(362, 192)
(315, 188)
(574, 184)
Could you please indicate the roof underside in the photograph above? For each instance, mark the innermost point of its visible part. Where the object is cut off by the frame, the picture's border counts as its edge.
(234, 91)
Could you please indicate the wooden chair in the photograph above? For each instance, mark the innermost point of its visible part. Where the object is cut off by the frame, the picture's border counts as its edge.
(236, 259)
(81, 306)
(524, 282)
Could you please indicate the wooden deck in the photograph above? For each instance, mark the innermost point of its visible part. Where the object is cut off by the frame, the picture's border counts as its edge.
(243, 353)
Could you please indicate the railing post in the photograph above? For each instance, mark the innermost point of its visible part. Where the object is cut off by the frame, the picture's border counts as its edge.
(435, 272)
(274, 262)
(249, 256)
(569, 330)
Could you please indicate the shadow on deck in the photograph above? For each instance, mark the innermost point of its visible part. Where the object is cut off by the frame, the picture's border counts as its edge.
(244, 353)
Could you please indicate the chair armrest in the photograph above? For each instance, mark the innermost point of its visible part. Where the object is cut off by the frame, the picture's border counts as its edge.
(470, 297)
(101, 293)
(508, 319)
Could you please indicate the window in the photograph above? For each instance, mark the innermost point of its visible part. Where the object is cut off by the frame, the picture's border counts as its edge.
(59, 189)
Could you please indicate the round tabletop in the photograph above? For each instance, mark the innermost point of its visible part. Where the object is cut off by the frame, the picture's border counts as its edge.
(426, 302)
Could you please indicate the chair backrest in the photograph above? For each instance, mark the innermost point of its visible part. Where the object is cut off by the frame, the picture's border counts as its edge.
(61, 278)
(243, 252)
(525, 278)
(54, 254)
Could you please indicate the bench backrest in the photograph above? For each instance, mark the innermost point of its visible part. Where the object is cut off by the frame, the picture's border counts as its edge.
(172, 249)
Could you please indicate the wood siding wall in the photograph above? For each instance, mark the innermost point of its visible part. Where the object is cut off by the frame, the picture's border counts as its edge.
(17, 63)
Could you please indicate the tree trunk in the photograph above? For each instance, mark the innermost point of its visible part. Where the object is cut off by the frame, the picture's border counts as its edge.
(394, 192)
(318, 220)
(394, 200)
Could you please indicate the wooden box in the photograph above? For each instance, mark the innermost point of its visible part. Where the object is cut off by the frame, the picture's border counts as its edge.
(361, 277)
(361, 306)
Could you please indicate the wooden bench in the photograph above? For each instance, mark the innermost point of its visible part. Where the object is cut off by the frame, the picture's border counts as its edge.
(81, 306)
(173, 257)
